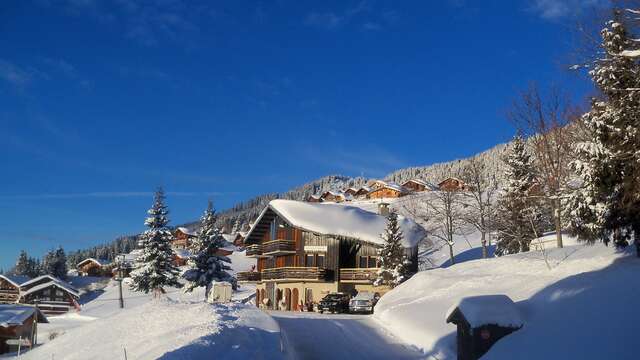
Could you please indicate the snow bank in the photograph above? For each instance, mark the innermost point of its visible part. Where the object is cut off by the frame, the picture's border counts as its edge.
(562, 308)
(343, 220)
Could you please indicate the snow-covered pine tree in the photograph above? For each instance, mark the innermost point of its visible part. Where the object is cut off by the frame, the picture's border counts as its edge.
(236, 226)
(60, 266)
(206, 266)
(519, 218)
(154, 267)
(22, 265)
(606, 206)
(394, 264)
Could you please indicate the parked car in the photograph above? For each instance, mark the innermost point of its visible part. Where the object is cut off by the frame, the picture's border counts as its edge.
(364, 302)
(335, 303)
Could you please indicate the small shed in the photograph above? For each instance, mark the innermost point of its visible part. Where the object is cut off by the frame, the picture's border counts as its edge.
(19, 325)
(95, 267)
(220, 292)
(482, 321)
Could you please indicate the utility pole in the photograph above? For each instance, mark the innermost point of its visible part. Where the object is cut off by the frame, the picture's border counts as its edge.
(119, 277)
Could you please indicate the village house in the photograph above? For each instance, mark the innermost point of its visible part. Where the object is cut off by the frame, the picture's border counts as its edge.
(95, 267)
(52, 295)
(417, 185)
(10, 288)
(306, 250)
(351, 191)
(182, 238)
(388, 190)
(453, 184)
(333, 196)
(19, 325)
(362, 192)
(314, 198)
(181, 256)
(375, 184)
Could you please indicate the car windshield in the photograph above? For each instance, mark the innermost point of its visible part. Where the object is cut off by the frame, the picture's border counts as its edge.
(333, 297)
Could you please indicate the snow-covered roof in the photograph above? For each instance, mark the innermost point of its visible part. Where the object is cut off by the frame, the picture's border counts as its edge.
(100, 262)
(16, 280)
(59, 284)
(50, 279)
(186, 231)
(11, 315)
(230, 237)
(421, 182)
(341, 220)
(488, 309)
(392, 186)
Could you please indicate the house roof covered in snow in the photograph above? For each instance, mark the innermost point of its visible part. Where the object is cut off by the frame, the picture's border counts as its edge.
(338, 220)
(12, 315)
(100, 262)
(58, 284)
(487, 310)
(46, 279)
(186, 231)
(16, 280)
(426, 184)
(182, 253)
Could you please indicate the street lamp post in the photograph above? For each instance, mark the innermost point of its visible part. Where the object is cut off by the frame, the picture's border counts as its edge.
(119, 277)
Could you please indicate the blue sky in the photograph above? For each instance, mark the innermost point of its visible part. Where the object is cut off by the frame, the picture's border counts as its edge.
(102, 101)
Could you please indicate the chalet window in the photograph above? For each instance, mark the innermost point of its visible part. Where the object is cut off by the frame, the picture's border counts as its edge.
(363, 262)
(372, 261)
(320, 261)
(308, 261)
(59, 293)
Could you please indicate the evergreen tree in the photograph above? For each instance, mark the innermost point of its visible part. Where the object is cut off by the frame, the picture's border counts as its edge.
(22, 265)
(606, 206)
(60, 269)
(394, 264)
(519, 218)
(206, 267)
(154, 268)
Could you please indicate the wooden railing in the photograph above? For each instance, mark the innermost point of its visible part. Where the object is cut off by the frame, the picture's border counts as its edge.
(278, 246)
(296, 273)
(254, 250)
(358, 274)
(248, 276)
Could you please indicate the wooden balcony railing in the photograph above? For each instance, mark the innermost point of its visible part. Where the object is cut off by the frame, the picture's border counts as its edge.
(276, 247)
(248, 276)
(254, 250)
(359, 274)
(295, 273)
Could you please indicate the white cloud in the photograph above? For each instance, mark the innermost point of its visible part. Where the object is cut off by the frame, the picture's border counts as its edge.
(13, 74)
(555, 9)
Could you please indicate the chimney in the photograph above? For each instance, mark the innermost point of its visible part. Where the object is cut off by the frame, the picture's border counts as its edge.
(383, 209)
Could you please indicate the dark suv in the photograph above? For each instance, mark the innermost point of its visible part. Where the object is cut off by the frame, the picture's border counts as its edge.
(335, 303)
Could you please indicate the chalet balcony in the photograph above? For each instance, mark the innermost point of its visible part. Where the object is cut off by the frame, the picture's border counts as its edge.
(248, 276)
(359, 275)
(295, 273)
(254, 251)
(279, 247)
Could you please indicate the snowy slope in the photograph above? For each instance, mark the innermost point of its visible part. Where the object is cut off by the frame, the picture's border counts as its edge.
(179, 326)
(573, 310)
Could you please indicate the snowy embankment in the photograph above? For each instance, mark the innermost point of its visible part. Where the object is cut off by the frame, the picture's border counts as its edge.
(178, 326)
(577, 309)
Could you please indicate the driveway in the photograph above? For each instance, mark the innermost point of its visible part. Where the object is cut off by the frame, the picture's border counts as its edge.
(327, 336)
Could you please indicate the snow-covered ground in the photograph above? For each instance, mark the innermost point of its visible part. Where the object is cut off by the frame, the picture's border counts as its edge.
(177, 326)
(580, 308)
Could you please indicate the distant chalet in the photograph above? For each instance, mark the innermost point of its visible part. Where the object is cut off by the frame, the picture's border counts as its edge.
(182, 238)
(307, 250)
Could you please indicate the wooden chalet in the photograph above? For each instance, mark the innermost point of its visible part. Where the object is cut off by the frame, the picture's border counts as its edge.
(182, 238)
(95, 267)
(314, 198)
(453, 184)
(362, 192)
(350, 191)
(389, 190)
(305, 251)
(375, 184)
(417, 185)
(10, 288)
(52, 295)
(333, 196)
(19, 324)
(181, 256)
